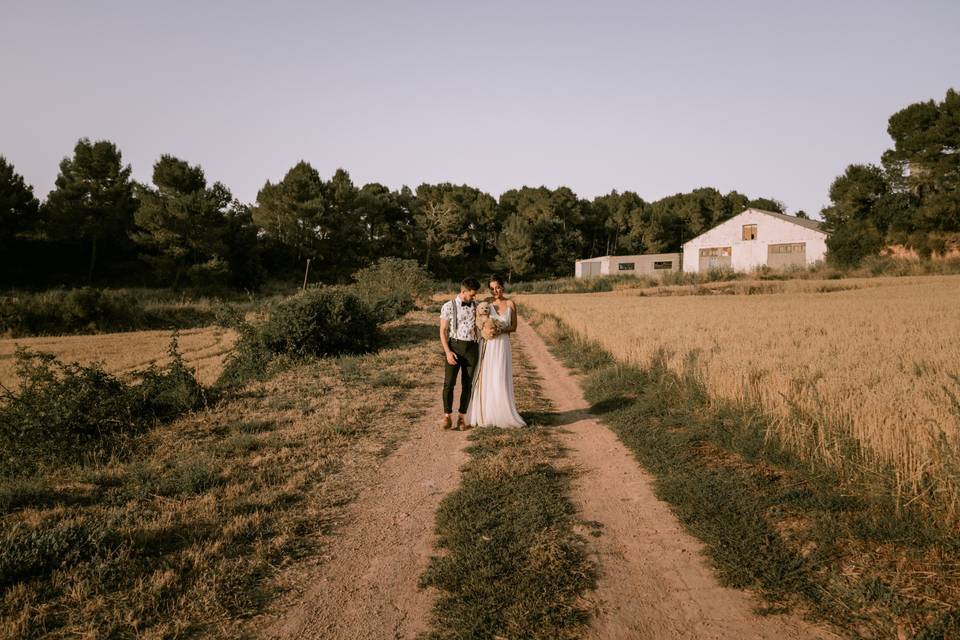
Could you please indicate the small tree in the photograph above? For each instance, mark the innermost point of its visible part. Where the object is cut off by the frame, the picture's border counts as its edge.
(515, 247)
(391, 286)
(855, 218)
(849, 244)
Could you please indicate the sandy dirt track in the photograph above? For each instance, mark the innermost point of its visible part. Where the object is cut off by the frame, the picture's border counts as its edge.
(366, 586)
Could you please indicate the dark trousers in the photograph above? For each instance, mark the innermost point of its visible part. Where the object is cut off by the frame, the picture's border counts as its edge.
(468, 353)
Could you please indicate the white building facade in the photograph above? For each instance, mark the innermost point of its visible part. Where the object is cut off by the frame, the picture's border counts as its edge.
(756, 238)
(640, 265)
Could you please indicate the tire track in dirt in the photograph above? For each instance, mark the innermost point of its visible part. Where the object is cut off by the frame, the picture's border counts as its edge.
(366, 585)
(655, 581)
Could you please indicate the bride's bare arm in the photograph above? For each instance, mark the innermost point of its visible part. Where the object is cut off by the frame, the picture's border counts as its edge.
(513, 317)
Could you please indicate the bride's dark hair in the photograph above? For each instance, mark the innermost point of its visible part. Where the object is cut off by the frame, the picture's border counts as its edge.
(497, 279)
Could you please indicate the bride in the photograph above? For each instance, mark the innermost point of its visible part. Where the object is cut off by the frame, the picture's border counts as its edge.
(492, 402)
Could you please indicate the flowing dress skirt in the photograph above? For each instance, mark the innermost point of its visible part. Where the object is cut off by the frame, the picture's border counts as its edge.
(492, 402)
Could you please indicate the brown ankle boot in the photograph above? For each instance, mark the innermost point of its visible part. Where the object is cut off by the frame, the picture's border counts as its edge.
(446, 423)
(462, 423)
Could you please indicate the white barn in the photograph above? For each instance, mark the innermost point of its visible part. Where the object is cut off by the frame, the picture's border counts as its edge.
(649, 264)
(755, 238)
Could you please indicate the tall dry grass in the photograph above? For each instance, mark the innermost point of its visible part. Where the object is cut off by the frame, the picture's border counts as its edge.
(860, 378)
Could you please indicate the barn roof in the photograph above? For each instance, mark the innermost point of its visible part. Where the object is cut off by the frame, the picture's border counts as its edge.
(803, 222)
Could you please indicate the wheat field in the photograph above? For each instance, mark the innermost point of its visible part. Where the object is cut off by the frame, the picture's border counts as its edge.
(880, 363)
(204, 348)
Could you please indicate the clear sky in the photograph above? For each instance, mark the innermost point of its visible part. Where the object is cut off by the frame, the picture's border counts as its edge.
(770, 98)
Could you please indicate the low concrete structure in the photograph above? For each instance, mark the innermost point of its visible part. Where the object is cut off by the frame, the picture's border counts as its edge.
(642, 265)
(756, 238)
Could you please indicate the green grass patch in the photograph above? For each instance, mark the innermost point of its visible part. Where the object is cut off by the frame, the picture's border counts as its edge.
(514, 568)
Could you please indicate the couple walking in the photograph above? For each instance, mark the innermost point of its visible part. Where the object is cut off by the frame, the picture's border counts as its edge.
(476, 340)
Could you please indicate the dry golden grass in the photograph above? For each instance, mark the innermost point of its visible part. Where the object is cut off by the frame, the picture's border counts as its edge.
(874, 360)
(204, 348)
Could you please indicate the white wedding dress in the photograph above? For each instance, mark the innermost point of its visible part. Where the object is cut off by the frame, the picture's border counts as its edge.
(492, 403)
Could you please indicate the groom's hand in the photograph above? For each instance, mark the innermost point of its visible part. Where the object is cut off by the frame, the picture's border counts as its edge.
(451, 358)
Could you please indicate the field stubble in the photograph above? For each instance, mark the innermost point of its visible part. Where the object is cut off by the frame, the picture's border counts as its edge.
(204, 348)
(858, 377)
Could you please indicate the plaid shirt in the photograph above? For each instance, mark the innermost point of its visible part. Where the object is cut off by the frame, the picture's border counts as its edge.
(466, 320)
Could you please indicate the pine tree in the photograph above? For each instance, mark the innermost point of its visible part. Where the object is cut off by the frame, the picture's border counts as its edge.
(293, 213)
(515, 247)
(93, 200)
(183, 225)
(18, 206)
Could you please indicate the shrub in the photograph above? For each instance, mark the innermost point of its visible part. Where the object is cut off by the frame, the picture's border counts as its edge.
(89, 310)
(72, 412)
(69, 311)
(849, 244)
(391, 287)
(321, 322)
(65, 408)
(317, 322)
(165, 393)
(250, 357)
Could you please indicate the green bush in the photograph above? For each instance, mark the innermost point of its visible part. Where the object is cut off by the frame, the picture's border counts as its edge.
(84, 310)
(849, 244)
(72, 412)
(391, 287)
(89, 310)
(321, 322)
(164, 393)
(317, 322)
(250, 358)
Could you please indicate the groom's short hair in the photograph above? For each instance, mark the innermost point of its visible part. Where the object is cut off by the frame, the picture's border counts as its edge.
(470, 284)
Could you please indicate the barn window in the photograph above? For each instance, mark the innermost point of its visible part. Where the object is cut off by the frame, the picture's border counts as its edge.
(749, 232)
(626, 266)
(665, 264)
(714, 251)
(790, 247)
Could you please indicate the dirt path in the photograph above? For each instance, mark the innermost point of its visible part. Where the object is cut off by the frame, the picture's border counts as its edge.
(655, 581)
(366, 586)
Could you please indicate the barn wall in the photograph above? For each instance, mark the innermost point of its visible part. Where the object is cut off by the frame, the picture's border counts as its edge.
(749, 254)
(643, 264)
(609, 265)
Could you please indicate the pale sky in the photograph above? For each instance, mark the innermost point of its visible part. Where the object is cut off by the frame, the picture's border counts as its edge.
(771, 98)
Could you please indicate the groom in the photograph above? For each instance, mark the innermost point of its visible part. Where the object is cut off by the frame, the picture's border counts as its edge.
(459, 340)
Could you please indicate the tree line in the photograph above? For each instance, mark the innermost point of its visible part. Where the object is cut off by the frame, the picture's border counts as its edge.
(912, 198)
(98, 225)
